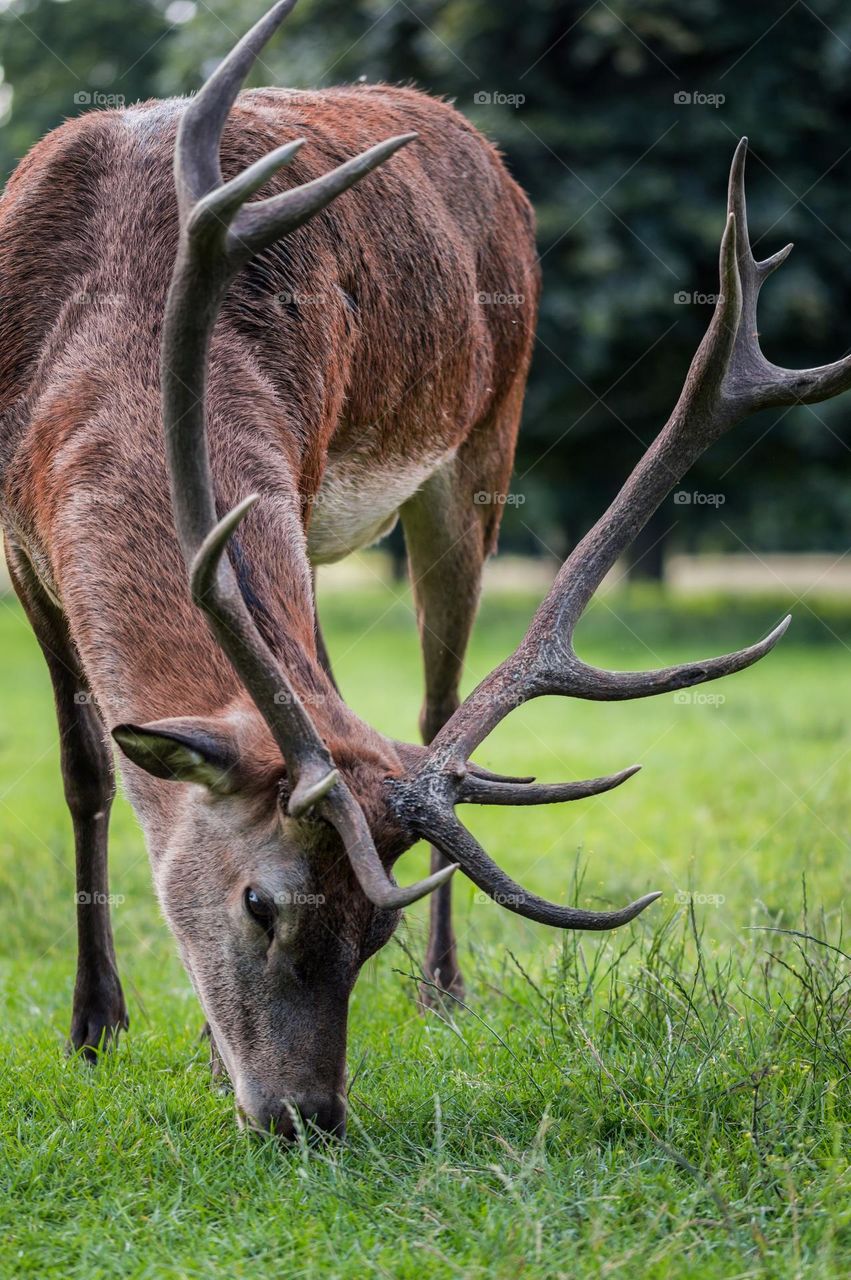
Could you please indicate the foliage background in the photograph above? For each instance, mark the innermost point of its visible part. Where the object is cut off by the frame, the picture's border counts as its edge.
(628, 183)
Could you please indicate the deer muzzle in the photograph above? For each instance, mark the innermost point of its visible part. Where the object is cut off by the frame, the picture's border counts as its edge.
(285, 1116)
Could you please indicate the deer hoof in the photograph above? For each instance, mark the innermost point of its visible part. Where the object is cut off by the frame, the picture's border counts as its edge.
(97, 1024)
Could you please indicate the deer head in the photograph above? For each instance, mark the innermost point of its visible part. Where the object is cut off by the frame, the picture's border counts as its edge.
(276, 877)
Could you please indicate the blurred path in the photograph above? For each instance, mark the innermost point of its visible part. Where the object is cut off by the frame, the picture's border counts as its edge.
(825, 574)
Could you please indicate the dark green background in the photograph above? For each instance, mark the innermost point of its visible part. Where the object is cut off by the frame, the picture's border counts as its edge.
(629, 188)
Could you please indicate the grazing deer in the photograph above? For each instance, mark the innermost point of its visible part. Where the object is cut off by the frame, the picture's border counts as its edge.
(310, 389)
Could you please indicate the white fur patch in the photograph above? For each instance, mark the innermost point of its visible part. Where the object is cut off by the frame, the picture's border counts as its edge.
(358, 503)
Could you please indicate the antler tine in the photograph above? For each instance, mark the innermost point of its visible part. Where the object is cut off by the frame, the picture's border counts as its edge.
(455, 841)
(343, 811)
(478, 790)
(218, 235)
(753, 381)
(199, 168)
(752, 271)
(721, 374)
(728, 379)
(259, 225)
(598, 685)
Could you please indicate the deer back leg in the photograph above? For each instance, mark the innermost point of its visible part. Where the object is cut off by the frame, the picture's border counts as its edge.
(321, 648)
(450, 528)
(99, 1011)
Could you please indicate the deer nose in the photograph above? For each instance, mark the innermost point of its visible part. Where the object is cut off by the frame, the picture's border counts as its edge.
(284, 1116)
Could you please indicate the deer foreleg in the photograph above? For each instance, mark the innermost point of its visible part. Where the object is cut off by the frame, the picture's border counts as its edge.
(99, 1012)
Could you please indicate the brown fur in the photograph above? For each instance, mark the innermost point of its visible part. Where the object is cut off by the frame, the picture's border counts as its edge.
(356, 345)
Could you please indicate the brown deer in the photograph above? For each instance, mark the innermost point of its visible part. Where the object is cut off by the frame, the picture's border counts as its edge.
(310, 388)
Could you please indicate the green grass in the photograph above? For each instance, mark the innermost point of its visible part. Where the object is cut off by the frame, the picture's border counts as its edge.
(669, 1100)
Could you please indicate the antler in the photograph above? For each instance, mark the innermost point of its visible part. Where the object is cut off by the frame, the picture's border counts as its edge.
(219, 234)
(729, 379)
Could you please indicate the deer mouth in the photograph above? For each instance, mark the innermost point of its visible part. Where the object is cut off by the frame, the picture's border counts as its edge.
(317, 1118)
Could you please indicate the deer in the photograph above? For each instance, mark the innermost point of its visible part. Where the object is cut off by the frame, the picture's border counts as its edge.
(186, 435)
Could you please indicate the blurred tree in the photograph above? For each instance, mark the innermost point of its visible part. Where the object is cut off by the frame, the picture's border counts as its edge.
(619, 118)
(61, 57)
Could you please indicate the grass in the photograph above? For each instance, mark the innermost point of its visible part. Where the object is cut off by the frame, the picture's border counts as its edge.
(668, 1100)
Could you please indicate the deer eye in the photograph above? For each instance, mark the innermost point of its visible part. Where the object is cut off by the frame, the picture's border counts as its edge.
(261, 909)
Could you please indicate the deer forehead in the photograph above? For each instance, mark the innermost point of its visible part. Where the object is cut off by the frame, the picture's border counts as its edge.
(207, 858)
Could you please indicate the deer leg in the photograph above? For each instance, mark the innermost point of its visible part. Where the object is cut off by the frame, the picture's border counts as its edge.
(446, 551)
(99, 1011)
(321, 648)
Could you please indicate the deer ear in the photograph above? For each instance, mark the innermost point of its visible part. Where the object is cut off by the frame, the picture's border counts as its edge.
(188, 749)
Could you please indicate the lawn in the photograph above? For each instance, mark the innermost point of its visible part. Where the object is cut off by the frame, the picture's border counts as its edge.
(668, 1100)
